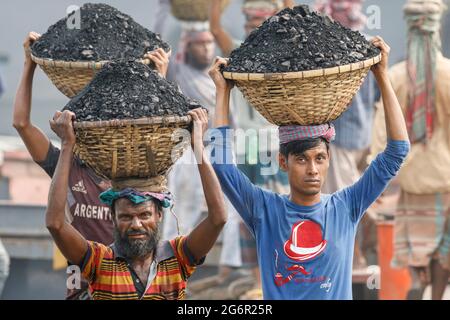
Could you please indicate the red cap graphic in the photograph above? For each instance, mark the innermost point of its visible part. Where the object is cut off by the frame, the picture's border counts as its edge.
(306, 241)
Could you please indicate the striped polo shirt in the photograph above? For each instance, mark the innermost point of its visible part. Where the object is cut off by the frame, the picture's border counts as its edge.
(110, 275)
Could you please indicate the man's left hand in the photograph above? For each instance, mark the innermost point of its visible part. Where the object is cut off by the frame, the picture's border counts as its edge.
(200, 125)
(381, 68)
(62, 125)
(161, 60)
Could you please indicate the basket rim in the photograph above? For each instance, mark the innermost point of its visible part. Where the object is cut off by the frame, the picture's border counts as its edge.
(95, 65)
(140, 121)
(303, 74)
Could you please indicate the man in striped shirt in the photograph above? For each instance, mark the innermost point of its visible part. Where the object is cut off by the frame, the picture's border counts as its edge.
(138, 265)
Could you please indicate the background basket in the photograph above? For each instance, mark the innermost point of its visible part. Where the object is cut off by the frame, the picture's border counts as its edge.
(304, 98)
(193, 10)
(140, 148)
(71, 77)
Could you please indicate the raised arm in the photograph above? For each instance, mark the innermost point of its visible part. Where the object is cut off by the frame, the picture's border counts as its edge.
(223, 90)
(35, 140)
(202, 238)
(160, 58)
(69, 241)
(223, 38)
(395, 121)
(244, 195)
(387, 164)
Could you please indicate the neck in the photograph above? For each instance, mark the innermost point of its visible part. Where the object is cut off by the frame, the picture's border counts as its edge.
(198, 66)
(142, 261)
(304, 200)
(195, 64)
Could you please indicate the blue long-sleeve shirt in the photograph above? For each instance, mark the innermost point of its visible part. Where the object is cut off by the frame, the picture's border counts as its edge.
(304, 252)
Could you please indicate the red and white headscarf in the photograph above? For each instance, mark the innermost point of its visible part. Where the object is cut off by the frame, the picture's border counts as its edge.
(346, 12)
(261, 8)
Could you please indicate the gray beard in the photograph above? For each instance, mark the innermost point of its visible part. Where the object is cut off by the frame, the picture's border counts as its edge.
(136, 248)
(190, 60)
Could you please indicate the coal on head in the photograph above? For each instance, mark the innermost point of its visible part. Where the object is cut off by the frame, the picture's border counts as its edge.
(298, 40)
(129, 90)
(105, 34)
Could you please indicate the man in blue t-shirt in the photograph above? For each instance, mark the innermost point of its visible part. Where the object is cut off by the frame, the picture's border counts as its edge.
(305, 240)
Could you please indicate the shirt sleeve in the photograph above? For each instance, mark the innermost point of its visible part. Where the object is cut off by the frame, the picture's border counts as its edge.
(375, 179)
(184, 256)
(92, 260)
(243, 194)
(50, 162)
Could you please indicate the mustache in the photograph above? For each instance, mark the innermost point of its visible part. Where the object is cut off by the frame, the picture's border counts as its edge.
(137, 233)
(132, 248)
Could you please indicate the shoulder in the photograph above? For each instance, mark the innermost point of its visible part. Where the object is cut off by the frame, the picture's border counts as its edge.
(167, 249)
(97, 252)
(443, 66)
(107, 251)
(182, 253)
(340, 198)
(398, 71)
(332, 199)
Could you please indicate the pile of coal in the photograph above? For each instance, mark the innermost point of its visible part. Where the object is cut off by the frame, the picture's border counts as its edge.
(297, 40)
(104, 34)
(129, 90)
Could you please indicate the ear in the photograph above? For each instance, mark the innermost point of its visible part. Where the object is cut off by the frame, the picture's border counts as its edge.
(160, 215)
(283, 162)
(114, 221)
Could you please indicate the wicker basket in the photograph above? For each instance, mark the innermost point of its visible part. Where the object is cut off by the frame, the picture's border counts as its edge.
(304, 98)
(193, 10)
(71, 77)
(140, 148)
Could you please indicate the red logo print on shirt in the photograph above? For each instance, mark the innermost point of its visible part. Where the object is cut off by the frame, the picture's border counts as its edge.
(306, 243)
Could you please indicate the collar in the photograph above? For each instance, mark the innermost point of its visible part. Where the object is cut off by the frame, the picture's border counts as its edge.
(163, 252)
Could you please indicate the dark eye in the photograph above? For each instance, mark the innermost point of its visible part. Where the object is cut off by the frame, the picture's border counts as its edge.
(125, 218)
(146, 215)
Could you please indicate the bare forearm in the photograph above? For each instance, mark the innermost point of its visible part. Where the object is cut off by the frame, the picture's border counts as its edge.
(222, 111)
(35, 140)
(71, 243)
(202, 238)
(395, 121)
(57, 197)
(222, 37)
(22, 103)
(213, 192)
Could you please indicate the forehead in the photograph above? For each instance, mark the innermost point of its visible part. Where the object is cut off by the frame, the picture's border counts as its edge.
(252, 20)
(124, 205)
(320, 149)
(199, 37)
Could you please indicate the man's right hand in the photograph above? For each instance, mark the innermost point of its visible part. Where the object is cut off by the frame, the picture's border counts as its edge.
(29, 40)
(216, 75)
(62, 125)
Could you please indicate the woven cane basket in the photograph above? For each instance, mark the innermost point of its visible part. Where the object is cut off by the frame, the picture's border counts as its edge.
(71, 77)
(140, 148)
(193, 10)
(304, 98)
